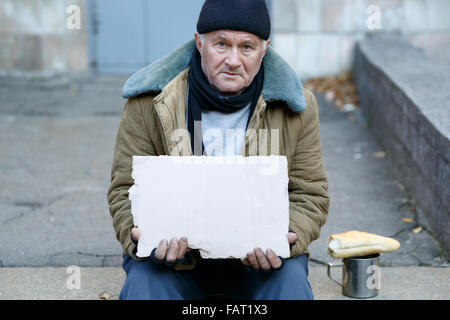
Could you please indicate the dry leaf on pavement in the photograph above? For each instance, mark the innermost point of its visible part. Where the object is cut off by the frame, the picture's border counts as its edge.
(104, 295)
(329, 95)
(339, 88)
(417, 230)
(379, 154)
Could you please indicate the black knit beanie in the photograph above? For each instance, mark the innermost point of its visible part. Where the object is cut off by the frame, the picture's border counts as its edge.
(240, 15)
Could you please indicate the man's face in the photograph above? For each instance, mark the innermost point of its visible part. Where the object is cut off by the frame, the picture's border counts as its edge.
(230, 59)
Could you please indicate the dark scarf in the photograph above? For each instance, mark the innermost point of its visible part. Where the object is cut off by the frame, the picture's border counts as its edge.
(203, 97)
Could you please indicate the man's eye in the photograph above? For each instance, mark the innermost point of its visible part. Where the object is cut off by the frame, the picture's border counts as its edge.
(247, 47)
(221, 44)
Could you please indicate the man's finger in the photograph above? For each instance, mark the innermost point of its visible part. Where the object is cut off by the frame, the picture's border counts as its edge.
(252, 259)
(161, 251)
(262, 259)
(172, 253)
(274, 261)
(183, 244)
(292, 237)
(135, 233)
(245, 262)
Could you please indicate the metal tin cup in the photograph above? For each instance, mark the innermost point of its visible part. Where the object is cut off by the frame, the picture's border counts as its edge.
(360, 276)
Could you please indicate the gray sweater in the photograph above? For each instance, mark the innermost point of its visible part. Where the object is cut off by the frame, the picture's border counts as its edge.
(223, 133)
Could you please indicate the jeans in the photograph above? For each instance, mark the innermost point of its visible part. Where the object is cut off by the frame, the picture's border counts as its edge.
(148, 280)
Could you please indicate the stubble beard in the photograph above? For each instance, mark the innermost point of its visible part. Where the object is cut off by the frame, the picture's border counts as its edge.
(227, 93)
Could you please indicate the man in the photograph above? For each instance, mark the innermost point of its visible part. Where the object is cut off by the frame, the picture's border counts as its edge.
(228, 78)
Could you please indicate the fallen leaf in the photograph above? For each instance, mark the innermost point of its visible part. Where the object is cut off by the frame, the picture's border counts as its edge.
(340, 88)
(417, 230)
(407, 220)
(412, 208)
(379, 154)
(329, 95)
(104, 295)
(339, 103)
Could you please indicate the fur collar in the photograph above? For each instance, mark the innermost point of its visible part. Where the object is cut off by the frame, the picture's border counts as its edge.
(280, 80)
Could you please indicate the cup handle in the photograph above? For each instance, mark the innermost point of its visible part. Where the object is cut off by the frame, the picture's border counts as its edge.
(330, 265)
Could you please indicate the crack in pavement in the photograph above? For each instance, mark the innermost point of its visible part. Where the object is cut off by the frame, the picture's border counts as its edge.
(13, 218)
(318, 261)
(421, 263)
(33, 205)
(399, 232)
(72, 258)
(30, 204)
(78, 253)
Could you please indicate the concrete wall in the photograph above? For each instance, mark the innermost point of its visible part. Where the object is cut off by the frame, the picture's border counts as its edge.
(405, 96)
(34, 37)
(317, 37)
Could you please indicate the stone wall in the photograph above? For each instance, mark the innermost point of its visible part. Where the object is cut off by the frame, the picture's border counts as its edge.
(406, 98)
(317, 37)
(34, 37)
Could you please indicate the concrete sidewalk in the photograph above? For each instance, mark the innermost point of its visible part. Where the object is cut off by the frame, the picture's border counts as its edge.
(57, 140)
(397, 283)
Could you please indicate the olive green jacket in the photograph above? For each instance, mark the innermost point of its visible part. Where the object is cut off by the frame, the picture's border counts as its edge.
(155, 112)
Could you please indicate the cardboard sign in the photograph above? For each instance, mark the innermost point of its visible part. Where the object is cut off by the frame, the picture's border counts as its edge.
(225, 206)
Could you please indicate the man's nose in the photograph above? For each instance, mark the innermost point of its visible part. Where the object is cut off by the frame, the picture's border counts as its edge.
(233, 59)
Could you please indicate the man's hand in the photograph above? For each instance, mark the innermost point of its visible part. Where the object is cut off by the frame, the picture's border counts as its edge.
(258, 260)
(175, 251)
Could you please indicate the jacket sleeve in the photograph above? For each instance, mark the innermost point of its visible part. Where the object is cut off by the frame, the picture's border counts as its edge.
(132, 139)
(308, 193)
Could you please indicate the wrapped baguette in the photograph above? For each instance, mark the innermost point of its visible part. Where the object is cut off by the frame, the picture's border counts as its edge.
(356, 243)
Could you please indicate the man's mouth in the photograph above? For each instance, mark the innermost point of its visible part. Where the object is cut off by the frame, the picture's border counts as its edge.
(231, 73)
